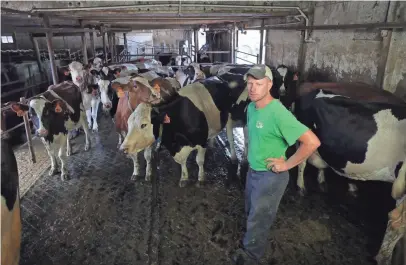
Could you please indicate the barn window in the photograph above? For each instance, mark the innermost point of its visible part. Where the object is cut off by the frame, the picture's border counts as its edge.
(7, 39)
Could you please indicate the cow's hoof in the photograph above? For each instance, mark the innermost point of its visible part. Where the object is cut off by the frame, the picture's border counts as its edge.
(148, 178)
(134, 177)
(183, 183)
(323, 187)
(95, 130)
(302, 192)
(87, 147)
(53, 171)
(68, 152)
(201, 183)
(64, 176)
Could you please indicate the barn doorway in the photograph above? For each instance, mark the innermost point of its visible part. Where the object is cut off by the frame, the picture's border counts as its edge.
(248, 46)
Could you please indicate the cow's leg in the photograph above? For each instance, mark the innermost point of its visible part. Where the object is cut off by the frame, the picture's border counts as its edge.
(51, 154)
(201, 153)
(62, 155)
(136, 171)
(212, 141)
(148, 156)
(95, 109)
(245, 130)
(68, 146)
(86, 130)
(181, 158)
(300, 178)
(89, 117)
(230, 138)
(399, 186)
(394, 232)
(316, 161)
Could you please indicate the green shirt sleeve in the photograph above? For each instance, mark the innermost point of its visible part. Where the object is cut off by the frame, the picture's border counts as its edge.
(290, 128)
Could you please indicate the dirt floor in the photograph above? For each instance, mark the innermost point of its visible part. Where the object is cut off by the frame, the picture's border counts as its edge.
(100, 216)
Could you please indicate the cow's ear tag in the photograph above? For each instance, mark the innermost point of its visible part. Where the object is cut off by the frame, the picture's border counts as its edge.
(120, 92)
(17, 109)
(167, 119)
(58, 108)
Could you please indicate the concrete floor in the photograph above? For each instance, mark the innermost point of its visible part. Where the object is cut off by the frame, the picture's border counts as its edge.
(100, 216)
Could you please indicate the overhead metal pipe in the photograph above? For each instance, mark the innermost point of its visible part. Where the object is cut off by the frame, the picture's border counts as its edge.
(302, 14)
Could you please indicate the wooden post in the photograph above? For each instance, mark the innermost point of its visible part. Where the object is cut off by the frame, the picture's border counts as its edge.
(51, 51)
(28, 133)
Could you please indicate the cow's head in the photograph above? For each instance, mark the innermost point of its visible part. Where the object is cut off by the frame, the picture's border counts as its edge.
(194, 72)
(163, 88)
(140, 130)
(104, 93)
(78, 72)
(42, 113)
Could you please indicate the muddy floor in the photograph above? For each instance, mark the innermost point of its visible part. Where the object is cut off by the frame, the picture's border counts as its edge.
(100, 216)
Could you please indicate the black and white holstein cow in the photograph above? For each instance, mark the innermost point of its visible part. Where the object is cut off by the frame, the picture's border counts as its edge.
(54, 113)
(196, 113)
(362, 131)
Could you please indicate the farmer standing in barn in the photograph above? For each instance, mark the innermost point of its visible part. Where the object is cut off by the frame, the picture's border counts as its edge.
(271, 130)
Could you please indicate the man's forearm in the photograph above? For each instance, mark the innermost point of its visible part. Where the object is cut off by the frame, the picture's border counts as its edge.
(304, 151)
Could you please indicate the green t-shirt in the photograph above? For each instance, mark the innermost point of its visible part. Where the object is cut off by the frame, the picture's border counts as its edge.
(271, 130)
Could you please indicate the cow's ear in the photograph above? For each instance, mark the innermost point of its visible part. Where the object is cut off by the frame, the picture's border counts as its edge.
(19, 108)
(94, 72)
(58, 105)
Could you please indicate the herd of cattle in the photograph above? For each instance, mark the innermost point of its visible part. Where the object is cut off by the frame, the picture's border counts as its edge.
(362, 128)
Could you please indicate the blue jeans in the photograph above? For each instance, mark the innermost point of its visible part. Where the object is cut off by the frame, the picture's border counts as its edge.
(263, 193)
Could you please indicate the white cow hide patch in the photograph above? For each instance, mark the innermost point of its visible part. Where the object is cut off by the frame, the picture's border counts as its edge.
(385, 150)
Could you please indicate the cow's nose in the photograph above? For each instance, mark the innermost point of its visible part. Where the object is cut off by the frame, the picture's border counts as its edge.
(42, 132)
(78, 78)
(107, 105)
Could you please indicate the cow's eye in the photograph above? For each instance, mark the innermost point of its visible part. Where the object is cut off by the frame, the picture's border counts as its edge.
(143, 125)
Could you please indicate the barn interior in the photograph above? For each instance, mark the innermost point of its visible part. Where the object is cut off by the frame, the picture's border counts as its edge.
(101, 216)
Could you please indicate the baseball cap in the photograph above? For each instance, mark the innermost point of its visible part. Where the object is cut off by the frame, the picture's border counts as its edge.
(259, 71)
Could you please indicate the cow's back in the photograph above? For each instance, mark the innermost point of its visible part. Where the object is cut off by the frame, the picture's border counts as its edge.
(357, 91)
(209, 99)
(10, 207)
(363, 137)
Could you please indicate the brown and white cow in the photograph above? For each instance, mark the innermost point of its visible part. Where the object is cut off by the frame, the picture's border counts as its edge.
(130, 96)
(10, 207)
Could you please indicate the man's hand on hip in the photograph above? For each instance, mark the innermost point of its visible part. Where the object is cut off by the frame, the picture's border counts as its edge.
(277, 165)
